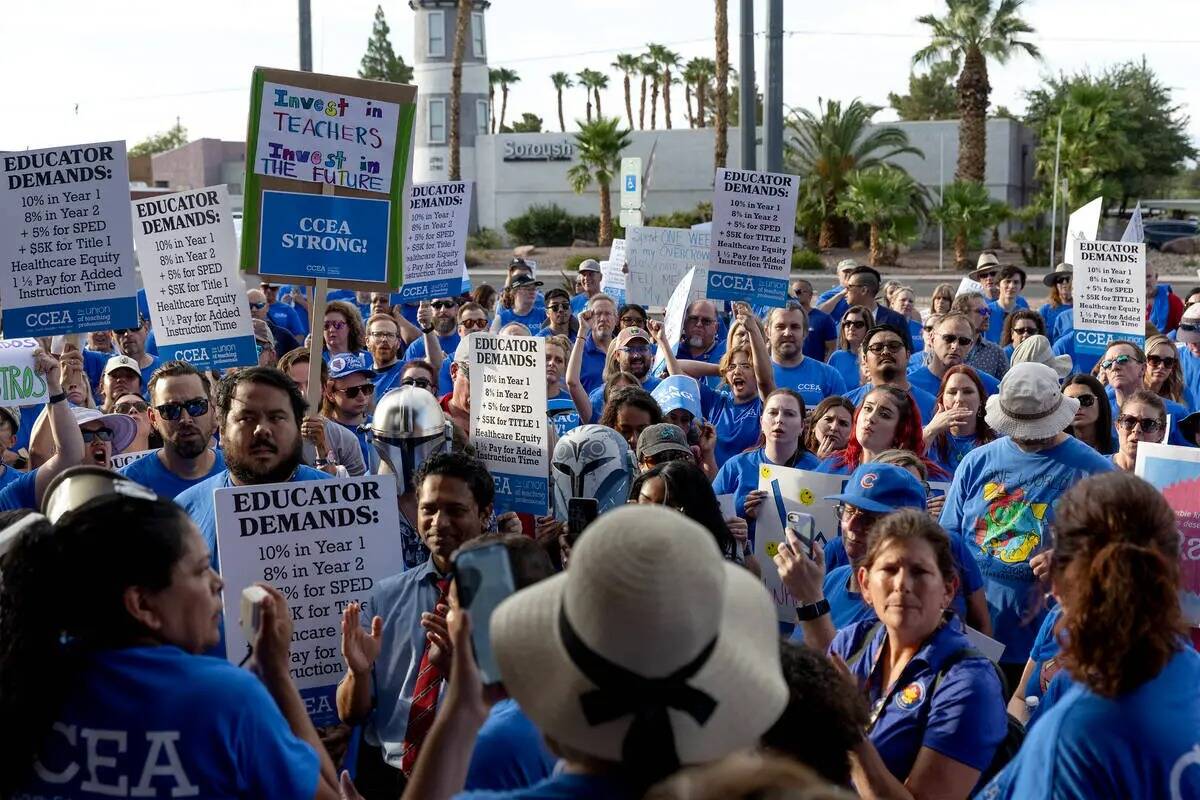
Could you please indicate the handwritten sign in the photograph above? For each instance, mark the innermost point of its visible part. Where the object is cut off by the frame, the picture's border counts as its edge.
(658, 258)
(66, 242)
(435, 240)
(189, 268)
(1175, 471)
(1110, 293)
(754, 225)
(20, 385)
(677, 307)
(323, 544)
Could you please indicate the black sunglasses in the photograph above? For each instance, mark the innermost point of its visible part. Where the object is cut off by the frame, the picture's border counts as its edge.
(1128, 423)
(352, 392)
(438, 305)
(258, 306)
(1025, 331)
(1086, 400)
(1160, 361)
(104, 435)
(171, 412)
(950, 338)
(421, 383)
(131, 408)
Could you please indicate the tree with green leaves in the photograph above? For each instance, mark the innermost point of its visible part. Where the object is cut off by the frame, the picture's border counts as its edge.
(493, 82)
(587, 79)
(967, 211)
(628, 65)
(175, 136)
(825, 148)
(380, 63)
(930, 95)
(599, 146)
(890, 203)
(654, 55)
(669, 60)
(972, 32)
(599, 81)
(528, 123)
(649, 71)
(699, 73)
(561, 81)
(506, 78)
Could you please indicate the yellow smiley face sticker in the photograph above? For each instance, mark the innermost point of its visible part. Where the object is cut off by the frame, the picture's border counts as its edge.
(764, 472)
(806, 497)
(772, 549)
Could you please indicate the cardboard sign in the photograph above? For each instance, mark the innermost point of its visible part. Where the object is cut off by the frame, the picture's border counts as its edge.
(189, 268)
(120, 460)
(969, 286)
(509, 427)
(754, 225)
(310, 133)
(1175, 471)
(66, 242)
(791, 490)
(1109, 280)
(323, 544)
(673, 317)
(658, 258)
(343, 239)
(20, 385)
(435, 242)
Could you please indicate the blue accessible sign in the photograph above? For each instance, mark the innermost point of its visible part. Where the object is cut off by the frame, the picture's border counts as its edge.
(324, 236)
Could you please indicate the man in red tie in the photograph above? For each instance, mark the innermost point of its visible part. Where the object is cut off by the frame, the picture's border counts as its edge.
(393, 673)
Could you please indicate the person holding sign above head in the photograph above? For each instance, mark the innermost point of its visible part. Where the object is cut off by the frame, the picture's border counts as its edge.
(885, 356)
(181, 413)
(333, 444)
(347, 399)
(1124, 366)
(344, 332)
(383, 345)
(953, 341)
(118, 670)
(984, 356)
(811, 379)
(131, 342)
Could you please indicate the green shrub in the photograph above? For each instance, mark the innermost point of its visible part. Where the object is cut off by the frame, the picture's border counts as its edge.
(485, 239)
(806, 259)
(575, 259)
(473, 259)
(551, 226)
(682, 219)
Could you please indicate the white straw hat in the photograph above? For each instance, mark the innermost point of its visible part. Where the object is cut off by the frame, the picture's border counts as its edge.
(1030, 405)
(1037, 349)
(650, 649)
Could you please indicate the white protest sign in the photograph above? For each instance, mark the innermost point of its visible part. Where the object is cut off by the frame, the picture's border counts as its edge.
(725, 501)
(657, 259)
(508, 417)
(435, 239)
(323, 544)
(20, 385)
(612, 273)
(189, 263)
(969, 285)
(984, 643)
(1135, 231)
(753, 227)
(673, 317)
(1109, 280)
(66, 241)
(789, 491)
(120, 460)
(1084, 221)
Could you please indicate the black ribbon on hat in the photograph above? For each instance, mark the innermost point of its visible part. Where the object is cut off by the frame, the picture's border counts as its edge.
(620, 692)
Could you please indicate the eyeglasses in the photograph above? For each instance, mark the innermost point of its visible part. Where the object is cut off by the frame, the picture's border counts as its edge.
(1086, 400)
(1189, 326)
(859, 286)
(636, 349)
(420, 383)
(385, 335)
(559, 306)
(1025, 331)
(847, 511)
(853, 323)
(262, 347)
(1128, 423)
(950, 338)
(439, 305)
(352, 392)
(128, 409)
(1118, 361)
(104, 435)
(478, 324)
(878, 348)
(258, 306)
(987, 276)
(334, 325)
(695, 320)
(1162, 361)
(631, 321)
(196, 407)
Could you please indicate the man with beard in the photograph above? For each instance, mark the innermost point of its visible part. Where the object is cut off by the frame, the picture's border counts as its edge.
(258, 412)
(886, 357)
(439, 317)
(383, 343)
(952, 341)
(699, 341)
(181, 412)
(132, 343)
(632, 355)
(812, 379)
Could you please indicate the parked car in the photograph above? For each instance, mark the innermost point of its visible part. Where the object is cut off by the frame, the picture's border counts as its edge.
(1160, 231)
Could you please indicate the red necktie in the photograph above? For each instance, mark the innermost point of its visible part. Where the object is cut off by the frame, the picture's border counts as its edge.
(424, 702)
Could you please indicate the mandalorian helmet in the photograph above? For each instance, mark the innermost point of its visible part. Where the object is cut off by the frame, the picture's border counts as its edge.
(591, 461)
(408, 427)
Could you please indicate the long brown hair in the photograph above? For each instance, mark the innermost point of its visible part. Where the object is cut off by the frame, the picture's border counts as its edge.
(810, 430)
(867, 316)
(1172, 388)
(1116, 567)
(983, 433)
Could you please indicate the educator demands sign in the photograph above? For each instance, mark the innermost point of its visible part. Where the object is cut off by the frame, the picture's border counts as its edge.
(509, 427)
(188, 254)
(754, 224)
(657, 259)
(323, 544)
(435, 243)
(1110, 293)
(66, 241)
(20, 385)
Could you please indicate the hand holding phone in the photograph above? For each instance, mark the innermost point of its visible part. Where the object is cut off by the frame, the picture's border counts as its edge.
(484, 579)
(804, 526)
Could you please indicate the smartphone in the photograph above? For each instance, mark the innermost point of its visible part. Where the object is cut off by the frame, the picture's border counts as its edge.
(804, 526)
(484, 578)
(581, 512)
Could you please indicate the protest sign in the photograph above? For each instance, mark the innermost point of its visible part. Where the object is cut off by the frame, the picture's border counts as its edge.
(673, 317)
(969, 285)
(119, 460)
(657, 259)
(612, 273)
(1109, 281)
(323, 544)
(788, 491)
(1084, 221)
(509, 427)
(754, 225)
(343, 239)
(188, 256)
(1175, 471)
(435, 242)
(66, 241)
(20, 385)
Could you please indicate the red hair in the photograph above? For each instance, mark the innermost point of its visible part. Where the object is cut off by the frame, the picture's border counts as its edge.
(909, 435)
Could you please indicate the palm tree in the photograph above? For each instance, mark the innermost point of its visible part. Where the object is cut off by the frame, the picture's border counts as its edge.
(460, 42)
(599, 145)
(827, 148)
(887, 199)
(506, 77)
(721, 123)
(493, 79)
(561, 81)
(667, 59)
(599, 81)
(654, 54)
(970, 34)
(966, 211)
(648, 69)
(703, 70)
(627, 63)
(586, 79)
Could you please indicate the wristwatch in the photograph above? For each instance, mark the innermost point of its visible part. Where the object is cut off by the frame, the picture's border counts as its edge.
(811, 611)
(427, 330)
(56, 398)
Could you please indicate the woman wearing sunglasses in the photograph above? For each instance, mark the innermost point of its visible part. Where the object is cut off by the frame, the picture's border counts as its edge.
(137, 409)
(344, 331)
(1163, 375)
(852, 329)
(1019, 326)
(1124, 366)
(559, 321)
(1143, 418)
(1092, 424)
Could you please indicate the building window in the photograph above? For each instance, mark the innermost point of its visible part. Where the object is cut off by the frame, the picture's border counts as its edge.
(437, 120)
(477, 34)
(437, 34)
(481, 117)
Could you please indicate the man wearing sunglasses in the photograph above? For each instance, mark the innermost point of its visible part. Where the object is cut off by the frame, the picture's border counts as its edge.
(885, 356)
(132, 343)
(700, 341)
(559, 319)
(283, 338)
(634, 355)
(472, 318)
(985, 356)
(439, 318)
(347, 399)
(1124, 366)
(181, 413)
(952, 341)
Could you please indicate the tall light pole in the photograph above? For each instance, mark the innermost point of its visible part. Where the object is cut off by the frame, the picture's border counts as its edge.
(773, 111)
(747, 108)
(306, 35)
(1054, 201)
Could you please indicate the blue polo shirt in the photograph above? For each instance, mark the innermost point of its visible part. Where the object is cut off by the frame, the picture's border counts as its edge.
(739, 477)
(846, 363)
(845, 607)
(150, 472)
(964, 719)
(925, 380)
(20, 492)
(1145, 743)
(591, 371)
(926, 402)
(813, 379)
(597, 396)
(738, 424)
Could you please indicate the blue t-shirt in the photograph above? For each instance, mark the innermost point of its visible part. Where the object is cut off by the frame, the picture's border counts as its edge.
(713, 355)
(388, 379)
(915, 330)
(532, 320)
(813, 379)
(20, 492)
(738, 424)
(1142, 744)
(159, 722)
(846, 363)
(8, 475)
(821, 329)
(1044, 655)
(579, 303)
(562, 412)
(369, 454)
(150, 472)
(956, 450)
(286, 317)
(93, 364)
(739, 477)
(597, 396)
(926, 402)
(964, 719)
(1050, 315)
(996, 326)
(563, 786)
(1190, 366)
(448, 343)
(925, 380)
(509, 751)
(1001, 502)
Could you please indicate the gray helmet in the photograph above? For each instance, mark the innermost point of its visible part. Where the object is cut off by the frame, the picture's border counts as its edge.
(591, 461)
(408, 427)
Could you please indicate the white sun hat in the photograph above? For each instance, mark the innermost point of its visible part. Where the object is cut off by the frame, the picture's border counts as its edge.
(1030, 405)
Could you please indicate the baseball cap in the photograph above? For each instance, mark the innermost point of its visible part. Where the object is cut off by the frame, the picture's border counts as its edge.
(589, 265)
(661, 438)
(122, 362)
(847, 265)
(523, 280)
(881, 489)
(342, 365)
(633, 332)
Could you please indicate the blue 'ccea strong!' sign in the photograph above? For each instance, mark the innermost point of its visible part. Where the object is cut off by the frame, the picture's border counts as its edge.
(324, 236)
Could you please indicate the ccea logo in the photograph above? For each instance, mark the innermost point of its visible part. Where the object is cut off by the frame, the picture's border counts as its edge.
(727, 280)
(1093, 337)
(194, 354)
(44, 319)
